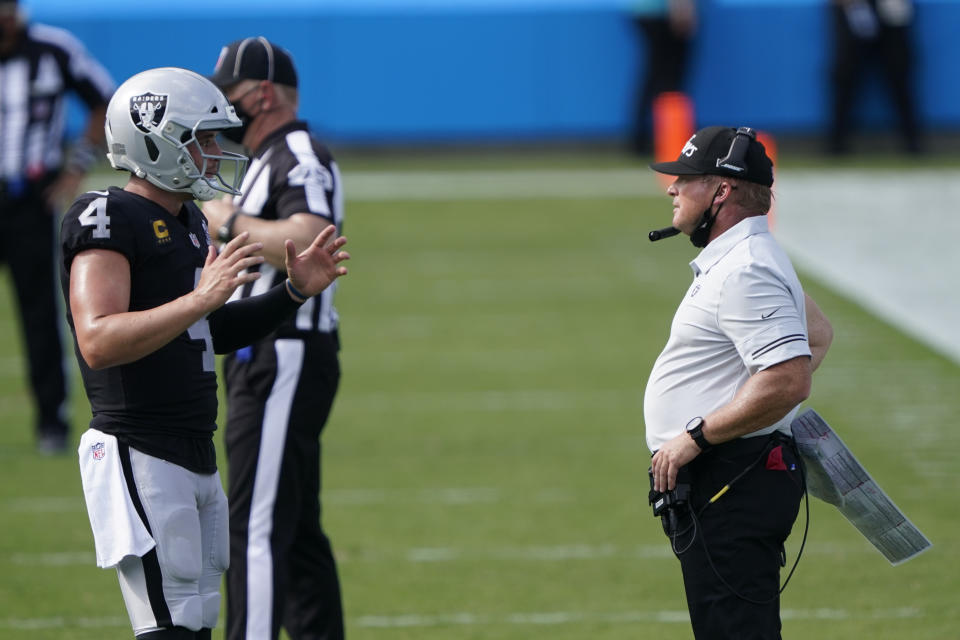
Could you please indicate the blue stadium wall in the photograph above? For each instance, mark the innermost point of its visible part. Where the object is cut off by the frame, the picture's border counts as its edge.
(453, 71)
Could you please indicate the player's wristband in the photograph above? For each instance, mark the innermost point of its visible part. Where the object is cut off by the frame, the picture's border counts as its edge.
(298, 297)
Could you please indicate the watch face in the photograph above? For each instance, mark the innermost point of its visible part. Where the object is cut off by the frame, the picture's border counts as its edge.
(696, 423)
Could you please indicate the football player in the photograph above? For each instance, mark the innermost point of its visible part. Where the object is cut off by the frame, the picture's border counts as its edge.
(146, 293)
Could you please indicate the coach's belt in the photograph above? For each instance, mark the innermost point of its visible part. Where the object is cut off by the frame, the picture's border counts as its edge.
(747, 446)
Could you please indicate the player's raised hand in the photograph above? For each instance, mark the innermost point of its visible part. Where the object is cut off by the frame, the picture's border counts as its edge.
(316, 267)
(224, 272)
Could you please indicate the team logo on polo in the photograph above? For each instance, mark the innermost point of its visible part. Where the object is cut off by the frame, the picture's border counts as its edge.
(147, 108)
(98, 451)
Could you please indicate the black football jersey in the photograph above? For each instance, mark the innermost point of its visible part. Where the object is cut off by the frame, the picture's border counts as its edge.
(164, 404)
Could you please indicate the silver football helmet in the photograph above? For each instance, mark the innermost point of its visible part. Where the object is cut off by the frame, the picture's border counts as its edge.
(152, 120)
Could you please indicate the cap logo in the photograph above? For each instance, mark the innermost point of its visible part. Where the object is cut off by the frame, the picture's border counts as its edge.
(147, 109)
(689, 149)
(730, 167)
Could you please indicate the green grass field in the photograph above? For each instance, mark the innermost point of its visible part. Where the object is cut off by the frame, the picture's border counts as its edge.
(485, 466)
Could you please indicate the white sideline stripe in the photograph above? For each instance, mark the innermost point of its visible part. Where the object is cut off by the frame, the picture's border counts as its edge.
(545, 618)
(883, 238)
(377, 186)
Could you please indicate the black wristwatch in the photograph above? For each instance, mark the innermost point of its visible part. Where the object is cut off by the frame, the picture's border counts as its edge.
(695, 429)
(225, 232)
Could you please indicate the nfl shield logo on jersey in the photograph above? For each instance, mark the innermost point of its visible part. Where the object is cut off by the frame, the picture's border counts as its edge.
(147, 109)
(98, 451)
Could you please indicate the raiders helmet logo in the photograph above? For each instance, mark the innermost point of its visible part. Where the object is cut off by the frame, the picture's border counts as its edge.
(147, 108)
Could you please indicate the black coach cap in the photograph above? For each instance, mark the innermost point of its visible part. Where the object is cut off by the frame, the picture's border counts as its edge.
(254, 59)
(722, 151)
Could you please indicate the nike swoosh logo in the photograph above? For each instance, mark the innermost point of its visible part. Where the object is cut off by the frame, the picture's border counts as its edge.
(764, 316)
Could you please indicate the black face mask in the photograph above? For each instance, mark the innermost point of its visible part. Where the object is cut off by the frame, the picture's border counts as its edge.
(235, 134)
(701, 235)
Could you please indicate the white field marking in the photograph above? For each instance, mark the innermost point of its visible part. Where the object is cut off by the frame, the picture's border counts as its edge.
(557, 618)
(58, 559)
(369, 496)
(377, 186)
(884, 238)
(59, 622)
(46, 504)
(544, 618)
(533, 553)
(440, 496)
(11, 366)
(497, 401)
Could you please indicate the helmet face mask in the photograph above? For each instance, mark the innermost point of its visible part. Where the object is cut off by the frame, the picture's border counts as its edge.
(153, 122)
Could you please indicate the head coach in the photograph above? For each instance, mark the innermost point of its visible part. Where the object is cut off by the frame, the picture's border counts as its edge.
(719, 400)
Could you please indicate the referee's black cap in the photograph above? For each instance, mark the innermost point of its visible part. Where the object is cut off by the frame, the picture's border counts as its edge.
(722, 151)
(253, 59)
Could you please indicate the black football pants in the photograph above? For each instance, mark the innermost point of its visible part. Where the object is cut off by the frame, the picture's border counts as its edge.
(736, 543)
(282, 570)
(28, 246)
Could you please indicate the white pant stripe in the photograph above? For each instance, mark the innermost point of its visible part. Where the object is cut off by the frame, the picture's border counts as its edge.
(275, 421)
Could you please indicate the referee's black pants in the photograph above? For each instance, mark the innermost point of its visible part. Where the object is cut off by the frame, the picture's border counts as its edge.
(282, 570)
(28, 246)
(736, 543)
(892, 50)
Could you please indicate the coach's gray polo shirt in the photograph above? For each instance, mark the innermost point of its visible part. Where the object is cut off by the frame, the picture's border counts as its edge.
(743, 313)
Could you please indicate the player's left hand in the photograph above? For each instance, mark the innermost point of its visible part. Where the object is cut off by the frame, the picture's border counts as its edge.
(668, 459)
(316, 267)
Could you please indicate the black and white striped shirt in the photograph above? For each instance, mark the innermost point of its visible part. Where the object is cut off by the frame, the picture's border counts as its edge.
(34, 79)
(292, 172)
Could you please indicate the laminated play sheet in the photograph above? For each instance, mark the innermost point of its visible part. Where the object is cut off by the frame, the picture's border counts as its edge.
(835, 476)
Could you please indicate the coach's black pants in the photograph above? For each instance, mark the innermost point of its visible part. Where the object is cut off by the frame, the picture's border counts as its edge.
(282, 569)
(739, 538)
(28, 246)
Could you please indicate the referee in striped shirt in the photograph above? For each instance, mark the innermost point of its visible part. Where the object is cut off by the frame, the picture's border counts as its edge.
(280, 390)
(39, 65)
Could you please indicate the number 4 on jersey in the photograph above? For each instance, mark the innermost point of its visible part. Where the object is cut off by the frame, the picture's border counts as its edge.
(95, 215)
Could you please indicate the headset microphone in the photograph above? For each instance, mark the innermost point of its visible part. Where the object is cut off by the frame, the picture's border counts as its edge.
(660, 234)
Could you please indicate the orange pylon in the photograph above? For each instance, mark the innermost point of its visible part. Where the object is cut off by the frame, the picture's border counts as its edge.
(673, 124)
(771, 146)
